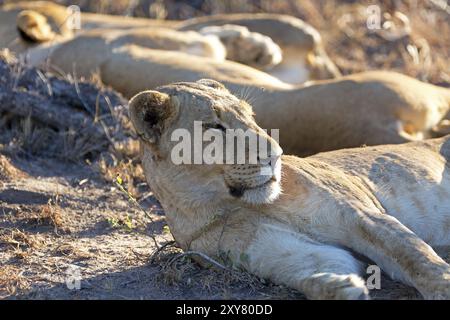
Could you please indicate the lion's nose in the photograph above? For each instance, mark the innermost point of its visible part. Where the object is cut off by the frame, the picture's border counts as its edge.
(276, 151)
(273, 153)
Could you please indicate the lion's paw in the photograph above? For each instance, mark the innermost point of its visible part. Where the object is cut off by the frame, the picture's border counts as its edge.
(328, 286)
(249, 48)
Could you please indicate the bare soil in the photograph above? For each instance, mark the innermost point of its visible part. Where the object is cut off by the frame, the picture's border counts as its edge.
(56, 216)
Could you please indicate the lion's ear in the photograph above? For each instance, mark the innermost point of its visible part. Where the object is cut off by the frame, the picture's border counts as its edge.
(149, 112)
(34, 27)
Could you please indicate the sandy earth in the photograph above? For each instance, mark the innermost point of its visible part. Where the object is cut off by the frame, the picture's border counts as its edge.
(56, 217)
(36, 252)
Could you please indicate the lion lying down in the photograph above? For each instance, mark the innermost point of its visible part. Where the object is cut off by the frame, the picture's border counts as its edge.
(38, 29)
(299, 224)
(86, 53)
(371, 108)
(248, 38)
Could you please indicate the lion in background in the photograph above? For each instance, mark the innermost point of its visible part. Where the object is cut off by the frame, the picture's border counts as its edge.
(375, 107)
(46, 25)
(303, 58)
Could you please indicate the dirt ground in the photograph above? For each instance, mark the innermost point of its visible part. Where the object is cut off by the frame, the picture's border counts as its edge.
(56, 218)
(69, 231)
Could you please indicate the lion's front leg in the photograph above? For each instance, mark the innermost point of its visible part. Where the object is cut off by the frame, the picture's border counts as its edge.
(317, 270)
(397, 250)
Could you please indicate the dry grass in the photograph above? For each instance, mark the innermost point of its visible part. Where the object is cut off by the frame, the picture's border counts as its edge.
(32, 216)
(19, 240)
(178, 270)
(9, 171)
(49, 214)
(73, 252)
(12, 280)
(45, 115)
(421, 52)
(130, 171)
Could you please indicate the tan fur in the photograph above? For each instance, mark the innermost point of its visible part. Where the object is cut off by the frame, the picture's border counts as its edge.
(99, 46)
(297, 227)
(249, 48)
(34, 26)
(300, 43)
(91, 21)
(157, 67)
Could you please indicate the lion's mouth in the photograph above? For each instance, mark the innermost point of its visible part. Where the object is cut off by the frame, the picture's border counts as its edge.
(266, 192)
(262, 189)
(238, 191)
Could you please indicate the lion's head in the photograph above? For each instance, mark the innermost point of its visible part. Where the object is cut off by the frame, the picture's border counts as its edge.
(178, 113)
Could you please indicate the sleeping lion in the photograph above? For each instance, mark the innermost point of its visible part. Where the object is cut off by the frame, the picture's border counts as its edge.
(368, 108)
(38, 29)
(298, 221)
(253, 40)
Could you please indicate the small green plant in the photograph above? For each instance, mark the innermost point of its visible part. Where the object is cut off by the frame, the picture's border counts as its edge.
(166, 229)
(119, 184)
(126, 224)
(113, 222)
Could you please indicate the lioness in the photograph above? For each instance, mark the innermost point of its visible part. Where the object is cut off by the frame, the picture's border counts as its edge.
(48, 27)
(99, 44)
(298, 225)
(303, 54)
(304, 57)
(370, 108)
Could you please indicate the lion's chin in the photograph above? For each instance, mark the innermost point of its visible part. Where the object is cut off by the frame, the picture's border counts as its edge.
(264, 194)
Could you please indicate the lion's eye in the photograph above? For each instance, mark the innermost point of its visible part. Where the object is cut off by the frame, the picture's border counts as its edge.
(217, 126)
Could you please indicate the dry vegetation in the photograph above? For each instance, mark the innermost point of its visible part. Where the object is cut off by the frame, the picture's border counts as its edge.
(60, 205)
